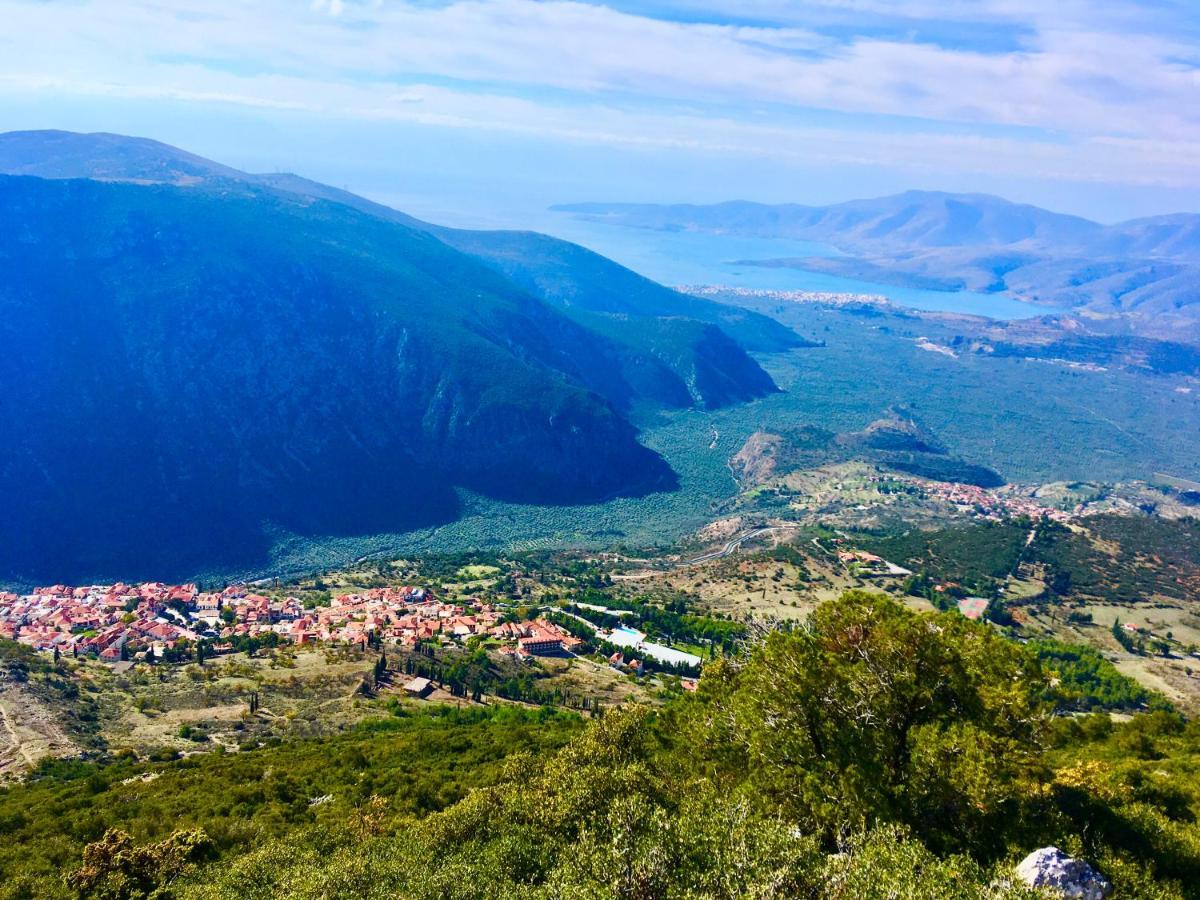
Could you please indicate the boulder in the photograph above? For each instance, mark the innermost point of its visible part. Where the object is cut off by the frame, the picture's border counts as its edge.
(1050, 868)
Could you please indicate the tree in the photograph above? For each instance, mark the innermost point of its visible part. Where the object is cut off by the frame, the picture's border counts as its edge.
(115, 869)
(875, 713)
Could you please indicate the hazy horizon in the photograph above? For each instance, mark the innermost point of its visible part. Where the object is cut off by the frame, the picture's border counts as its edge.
(494, 109)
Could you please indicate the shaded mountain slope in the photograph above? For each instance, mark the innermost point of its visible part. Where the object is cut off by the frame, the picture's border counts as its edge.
(679, 368)
(180, 367)
(197, 362)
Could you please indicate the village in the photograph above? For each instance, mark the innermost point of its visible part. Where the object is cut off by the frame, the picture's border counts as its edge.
(990, 505)
(160, 622)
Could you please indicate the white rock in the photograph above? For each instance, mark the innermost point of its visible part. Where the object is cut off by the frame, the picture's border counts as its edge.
(1050, 868)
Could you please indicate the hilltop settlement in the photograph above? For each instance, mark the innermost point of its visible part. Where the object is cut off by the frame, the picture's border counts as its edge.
(155, 621)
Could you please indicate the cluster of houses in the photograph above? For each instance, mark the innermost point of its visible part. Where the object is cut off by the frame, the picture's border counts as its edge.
(990, 504)
(121, 622)
(100, 620)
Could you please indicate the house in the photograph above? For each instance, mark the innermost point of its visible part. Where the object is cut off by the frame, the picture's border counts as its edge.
(541, 644)
(418, 687)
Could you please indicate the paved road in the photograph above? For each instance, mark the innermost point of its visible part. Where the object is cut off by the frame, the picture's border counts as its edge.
(733, 545)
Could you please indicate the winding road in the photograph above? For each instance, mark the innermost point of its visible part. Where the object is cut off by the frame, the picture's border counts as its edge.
(733, 545)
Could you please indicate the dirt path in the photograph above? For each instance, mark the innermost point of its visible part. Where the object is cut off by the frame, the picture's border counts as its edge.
(30, 731)
(17, 745)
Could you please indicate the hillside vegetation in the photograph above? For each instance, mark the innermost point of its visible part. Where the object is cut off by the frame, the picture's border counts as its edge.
(873, 752)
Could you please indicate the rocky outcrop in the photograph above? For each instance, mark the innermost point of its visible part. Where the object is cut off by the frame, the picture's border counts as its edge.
(1051, 869)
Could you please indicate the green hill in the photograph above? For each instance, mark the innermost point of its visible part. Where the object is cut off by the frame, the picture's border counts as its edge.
(181, 367)
(195, 361)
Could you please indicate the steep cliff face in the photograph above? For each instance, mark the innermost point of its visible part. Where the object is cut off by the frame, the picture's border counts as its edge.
(178, 369)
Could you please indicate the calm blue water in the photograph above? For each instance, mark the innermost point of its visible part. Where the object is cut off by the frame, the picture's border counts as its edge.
(675, 258)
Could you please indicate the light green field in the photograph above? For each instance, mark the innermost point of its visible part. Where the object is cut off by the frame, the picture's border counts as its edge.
(477, 573)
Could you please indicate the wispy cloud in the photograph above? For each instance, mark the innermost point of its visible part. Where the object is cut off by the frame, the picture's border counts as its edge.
(1080, 90)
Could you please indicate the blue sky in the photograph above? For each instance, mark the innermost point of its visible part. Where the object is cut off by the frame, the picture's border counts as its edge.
(484, 111)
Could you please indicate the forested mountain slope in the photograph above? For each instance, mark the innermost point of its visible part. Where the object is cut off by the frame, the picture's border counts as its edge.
(179, 367)
(194, 360)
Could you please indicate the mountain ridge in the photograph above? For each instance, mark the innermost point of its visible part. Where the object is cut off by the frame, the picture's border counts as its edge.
(197, 361)
(882, 219)
(1145, 271)
(102, 154)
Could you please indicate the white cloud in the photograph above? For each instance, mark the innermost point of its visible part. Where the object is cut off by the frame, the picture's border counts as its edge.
(1104, 91)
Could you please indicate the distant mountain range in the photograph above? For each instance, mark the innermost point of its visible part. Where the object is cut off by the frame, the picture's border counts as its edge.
(195, 361)
(1147, 269)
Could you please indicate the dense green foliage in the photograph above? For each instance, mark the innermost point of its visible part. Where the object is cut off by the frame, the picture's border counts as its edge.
(416, 764)
(1084, 680)
(1116, 558)
(874, 752)
(975, 556)
(1142, 556)
(920, 749)
(870, 714)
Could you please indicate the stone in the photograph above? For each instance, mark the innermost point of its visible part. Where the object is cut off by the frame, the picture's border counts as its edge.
(1050, 868)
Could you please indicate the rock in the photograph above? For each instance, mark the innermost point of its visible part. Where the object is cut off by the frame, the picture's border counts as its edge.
(1050, 868)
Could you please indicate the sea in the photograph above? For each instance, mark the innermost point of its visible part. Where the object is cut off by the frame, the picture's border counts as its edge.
(694, 258)
(678, 258)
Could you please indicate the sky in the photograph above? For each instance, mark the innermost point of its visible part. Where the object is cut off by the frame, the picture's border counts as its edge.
(486, 111)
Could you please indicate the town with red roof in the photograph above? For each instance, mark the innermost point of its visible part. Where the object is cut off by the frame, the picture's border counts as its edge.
(119, 622)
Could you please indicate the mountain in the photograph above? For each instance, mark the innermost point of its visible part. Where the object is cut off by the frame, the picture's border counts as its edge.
(689, 367)
(898, 442)
(918, 220)
(180, 367)
(104, 157)
(1147, 269)
(195, 363)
